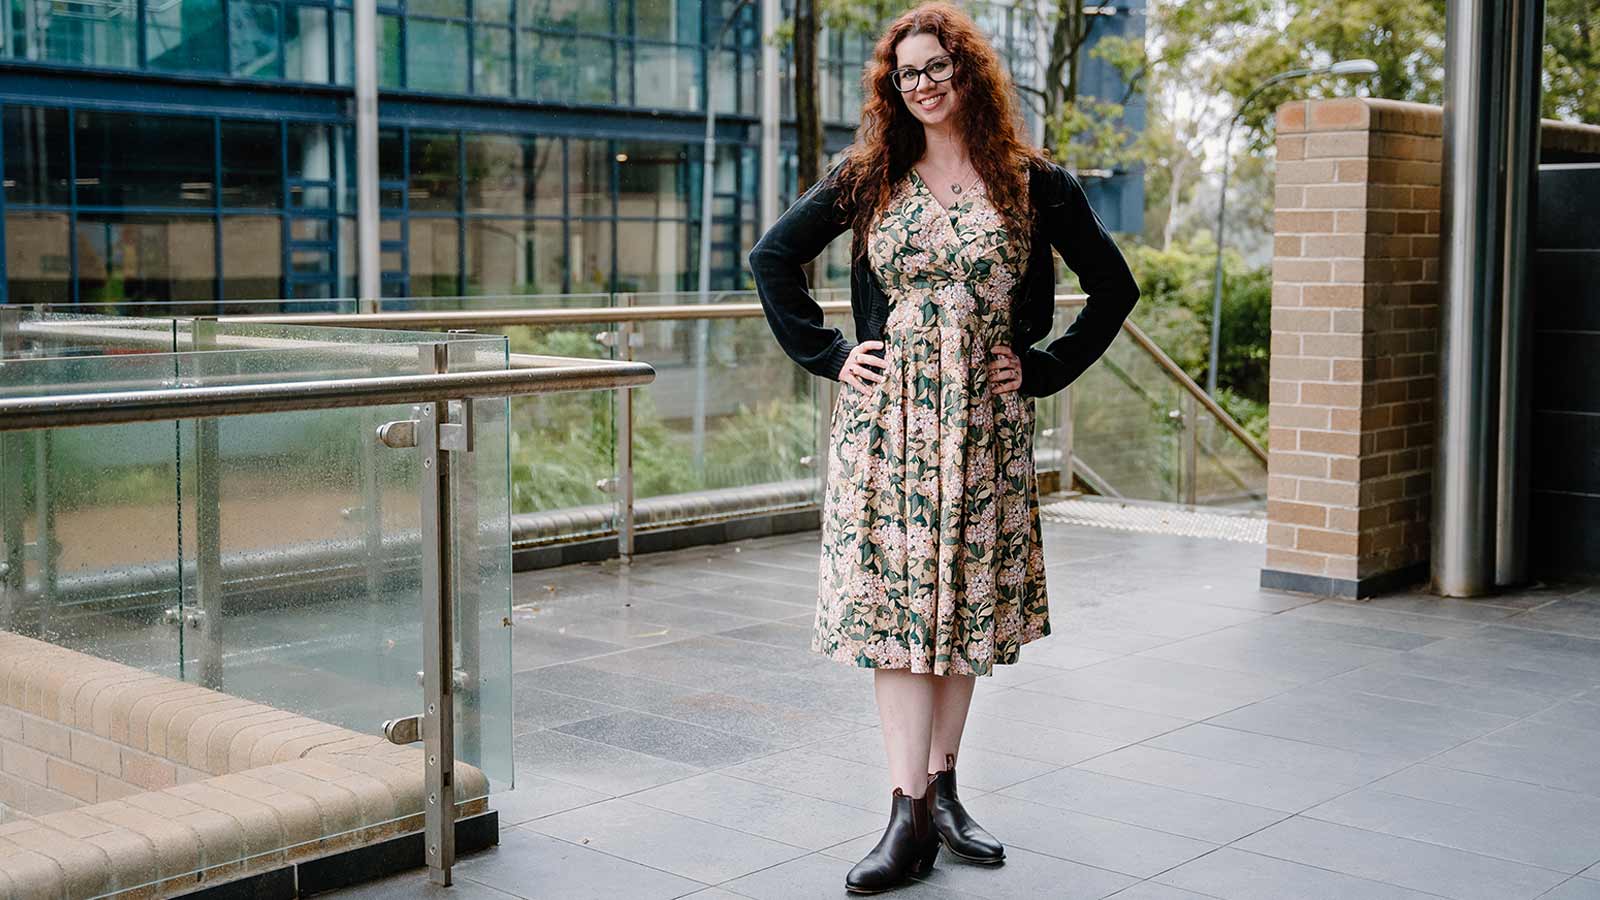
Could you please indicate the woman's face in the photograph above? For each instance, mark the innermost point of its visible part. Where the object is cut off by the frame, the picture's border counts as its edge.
(933, 103)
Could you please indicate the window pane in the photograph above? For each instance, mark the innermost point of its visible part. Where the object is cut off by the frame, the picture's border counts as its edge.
(115, 167)
(491, 10)
(436, 56)
(38, 264)
(146, 258)
(668, 20)
(497, 173)
(491, 61)
(435, 172)
(344, 41)
(581, 15)
(590, 166)
(305, 44)
(513, 175)
(78, 32)
(513, 256)
(314, 155)
(666, 77)
(435, 257)
(389, 52)
(349, 258)
(36, 151)
(252, 174)
(184, 35)
(589, 255)
(546, 179)
(253, 38)
(654, 256)
(455, 9)
(652, 180)
(252, 258)
(574, 70)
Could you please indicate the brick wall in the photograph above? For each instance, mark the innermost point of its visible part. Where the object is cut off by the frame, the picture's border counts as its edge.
(1355, 337)
(48, 767)
(1355, 311)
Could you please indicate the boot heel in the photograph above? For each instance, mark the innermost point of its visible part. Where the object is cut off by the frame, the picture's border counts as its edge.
(925, 862)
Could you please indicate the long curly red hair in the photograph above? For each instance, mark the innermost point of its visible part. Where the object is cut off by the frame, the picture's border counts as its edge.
(890, 139)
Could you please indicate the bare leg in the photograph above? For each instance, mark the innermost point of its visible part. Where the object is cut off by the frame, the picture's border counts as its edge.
(905, 708)
(952, 697)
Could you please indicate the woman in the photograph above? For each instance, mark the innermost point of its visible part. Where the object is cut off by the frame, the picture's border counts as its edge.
(932, 571)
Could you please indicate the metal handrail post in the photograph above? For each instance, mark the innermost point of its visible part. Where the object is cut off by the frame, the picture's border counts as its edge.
(208, 529)
(1064, 436)
(438, 632)
(14, 565)
(626, 333)
(1190, 445)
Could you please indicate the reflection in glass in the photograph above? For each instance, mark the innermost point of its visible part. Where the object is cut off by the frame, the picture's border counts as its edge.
(513, 256)
(589, 166)
(36, 155)
(184, 35)
(76, 32)
(655, 257)
(652, 179)
(251, 165)
(567, 69)
(38, 265)
(589, 255)
(574, 15)
(497, 179)
(491, 61)
(252, 258)
(436, 56)
(435, 257)
(390, 60)
(145, 258)
(253, 38)
(666, 77)
(435, 172)
(305, 44)
(115, 167)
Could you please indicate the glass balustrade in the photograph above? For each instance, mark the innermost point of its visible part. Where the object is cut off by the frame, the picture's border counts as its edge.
(274, 558)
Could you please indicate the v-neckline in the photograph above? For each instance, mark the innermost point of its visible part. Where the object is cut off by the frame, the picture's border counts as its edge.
(949, 212)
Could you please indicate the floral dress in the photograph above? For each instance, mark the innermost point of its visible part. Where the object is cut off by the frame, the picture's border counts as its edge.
(931, 551)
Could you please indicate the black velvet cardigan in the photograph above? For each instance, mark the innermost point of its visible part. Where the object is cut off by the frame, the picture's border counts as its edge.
(1063, 220)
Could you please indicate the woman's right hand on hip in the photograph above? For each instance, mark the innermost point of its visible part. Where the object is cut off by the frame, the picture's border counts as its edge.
(856, 371)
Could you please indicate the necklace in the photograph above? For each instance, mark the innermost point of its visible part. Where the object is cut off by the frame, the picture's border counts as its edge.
(957, 188)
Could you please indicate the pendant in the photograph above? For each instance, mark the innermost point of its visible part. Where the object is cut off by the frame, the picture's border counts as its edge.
(955, 188)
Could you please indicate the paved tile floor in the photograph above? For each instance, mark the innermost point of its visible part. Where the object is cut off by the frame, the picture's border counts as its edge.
(1182, 735)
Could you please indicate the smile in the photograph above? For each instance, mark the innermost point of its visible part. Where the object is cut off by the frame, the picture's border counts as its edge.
(930, 102)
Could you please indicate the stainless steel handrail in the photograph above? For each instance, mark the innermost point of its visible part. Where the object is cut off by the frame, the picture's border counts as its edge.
(122, 407)
(437, 442)
(1176, 373)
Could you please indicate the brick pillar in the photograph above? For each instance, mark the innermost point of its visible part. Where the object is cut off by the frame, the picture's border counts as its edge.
(1355, 310)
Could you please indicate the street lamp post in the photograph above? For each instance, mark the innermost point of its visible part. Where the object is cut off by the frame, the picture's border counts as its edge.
(1346, 67)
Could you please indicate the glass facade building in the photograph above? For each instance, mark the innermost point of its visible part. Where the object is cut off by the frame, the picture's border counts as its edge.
(203, 150)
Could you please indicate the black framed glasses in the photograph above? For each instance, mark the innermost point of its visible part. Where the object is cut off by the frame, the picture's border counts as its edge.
(939, 69)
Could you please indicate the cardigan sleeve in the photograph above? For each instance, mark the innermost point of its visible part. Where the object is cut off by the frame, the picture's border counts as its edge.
(1073, 229)
(799, 236)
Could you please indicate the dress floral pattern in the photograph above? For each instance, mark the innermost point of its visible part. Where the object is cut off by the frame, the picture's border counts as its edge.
(931, 550)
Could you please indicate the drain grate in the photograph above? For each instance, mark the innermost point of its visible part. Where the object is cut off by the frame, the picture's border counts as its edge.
(1157, 520)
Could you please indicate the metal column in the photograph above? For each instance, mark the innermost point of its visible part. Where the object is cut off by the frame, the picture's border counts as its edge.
(1472, 226)
(204, 619)
(367, 228)
(438, 644)
(771, 18)
(1513, 503)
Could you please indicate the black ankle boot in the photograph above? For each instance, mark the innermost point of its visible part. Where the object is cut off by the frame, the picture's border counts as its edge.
(964, 837)
(907, 848)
